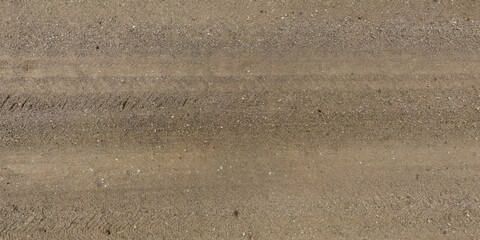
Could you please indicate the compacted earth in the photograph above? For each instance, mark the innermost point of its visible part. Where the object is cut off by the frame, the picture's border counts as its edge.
(239, 119)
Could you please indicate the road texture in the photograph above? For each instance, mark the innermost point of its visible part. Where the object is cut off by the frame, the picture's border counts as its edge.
(239, 119)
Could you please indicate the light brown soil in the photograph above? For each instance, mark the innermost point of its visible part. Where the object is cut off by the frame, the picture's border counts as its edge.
(240, 119)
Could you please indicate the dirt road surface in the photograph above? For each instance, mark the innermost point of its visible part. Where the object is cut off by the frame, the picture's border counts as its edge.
(239, 119)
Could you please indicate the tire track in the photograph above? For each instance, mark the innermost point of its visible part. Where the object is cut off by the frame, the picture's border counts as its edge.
(5, 101)
(86, 226)
(149, 101)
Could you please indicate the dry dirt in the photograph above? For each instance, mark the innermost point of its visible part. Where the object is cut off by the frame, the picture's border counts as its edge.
(239, 119)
